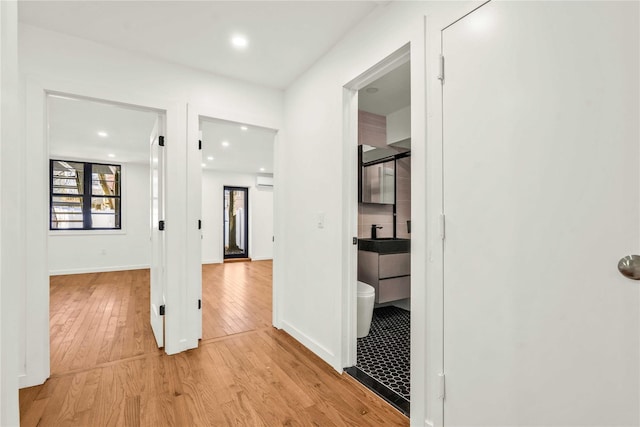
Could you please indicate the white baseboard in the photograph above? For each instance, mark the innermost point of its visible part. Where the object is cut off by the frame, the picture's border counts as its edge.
(313, 345)
(220, 261)
(25, 380)
(97, 269)
(261, 258)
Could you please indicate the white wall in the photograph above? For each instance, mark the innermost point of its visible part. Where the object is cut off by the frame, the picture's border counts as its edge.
(312, 280)
(11, 225)
(127, 249)
(399, 125)
(51, 61)
(260, 215)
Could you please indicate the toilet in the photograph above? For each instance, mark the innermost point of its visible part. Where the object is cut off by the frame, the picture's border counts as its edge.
(366, 297)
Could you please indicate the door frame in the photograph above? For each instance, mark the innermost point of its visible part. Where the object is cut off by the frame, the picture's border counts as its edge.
(158, 259)
(350, 193)
(245, 190)
(195, 113)
(34, 350)
(426, 330)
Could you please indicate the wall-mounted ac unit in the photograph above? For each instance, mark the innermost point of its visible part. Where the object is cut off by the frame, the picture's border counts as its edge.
(264, 181)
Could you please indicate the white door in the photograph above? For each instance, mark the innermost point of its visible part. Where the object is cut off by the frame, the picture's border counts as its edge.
(157, 287)
(542, 198)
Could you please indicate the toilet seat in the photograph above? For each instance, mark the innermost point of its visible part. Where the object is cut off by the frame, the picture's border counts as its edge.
(365, 290)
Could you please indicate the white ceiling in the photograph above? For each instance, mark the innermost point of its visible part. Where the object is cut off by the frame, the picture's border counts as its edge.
(74, 125)
(394, 92)
(248, 150)
(285, 37)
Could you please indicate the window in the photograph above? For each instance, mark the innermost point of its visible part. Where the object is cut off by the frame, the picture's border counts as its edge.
(84, 196)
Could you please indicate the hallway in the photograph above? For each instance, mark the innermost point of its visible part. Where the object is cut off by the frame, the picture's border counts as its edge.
(107, 371)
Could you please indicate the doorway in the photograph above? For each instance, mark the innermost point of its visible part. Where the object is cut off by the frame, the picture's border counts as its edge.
(236, 222)
(236, 235)
(99, 238)
(382, 210)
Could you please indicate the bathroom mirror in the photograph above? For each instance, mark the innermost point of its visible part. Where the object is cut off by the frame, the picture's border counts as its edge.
(378, 182)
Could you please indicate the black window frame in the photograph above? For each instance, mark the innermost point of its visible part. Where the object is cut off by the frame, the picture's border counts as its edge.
(86, 195)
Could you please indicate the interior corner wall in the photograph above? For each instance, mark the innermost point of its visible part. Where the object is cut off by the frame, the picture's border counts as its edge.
(312, 295)
(11, 226)
(72, 252)
(260, 215)
(51, 61)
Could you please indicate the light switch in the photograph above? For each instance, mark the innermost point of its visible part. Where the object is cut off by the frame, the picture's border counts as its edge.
(320, 219)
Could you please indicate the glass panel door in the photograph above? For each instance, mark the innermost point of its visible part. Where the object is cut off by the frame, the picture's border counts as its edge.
(236, 222)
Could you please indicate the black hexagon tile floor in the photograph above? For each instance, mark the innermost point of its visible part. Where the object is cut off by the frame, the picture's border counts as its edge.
(384, 354)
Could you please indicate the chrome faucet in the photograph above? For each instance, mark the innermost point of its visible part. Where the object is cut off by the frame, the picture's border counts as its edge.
(374, 231)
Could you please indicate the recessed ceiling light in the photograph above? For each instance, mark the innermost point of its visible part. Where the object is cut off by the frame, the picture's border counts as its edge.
(103, 134)
(210, 158)
(244, 127)
(111, 155)
(261, 169)
(239, 41)
(204, 164)
(225, 143)
(155, 160)
(371, 90)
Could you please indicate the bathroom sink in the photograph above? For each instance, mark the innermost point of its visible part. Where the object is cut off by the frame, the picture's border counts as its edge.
(385, 245)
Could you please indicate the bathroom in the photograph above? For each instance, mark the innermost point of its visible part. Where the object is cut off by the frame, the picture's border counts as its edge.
(384, 230)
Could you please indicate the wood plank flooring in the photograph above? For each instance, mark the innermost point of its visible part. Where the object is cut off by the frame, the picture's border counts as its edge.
(236, 297)
(98, 318)
(106, 370)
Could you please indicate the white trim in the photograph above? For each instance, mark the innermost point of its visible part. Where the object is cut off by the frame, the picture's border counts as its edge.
(36, 361)
(196, 113)
(279, 229)
(98, 269)
(70, 232)
(386, 65)
(13, 260)
(262, 258)
(36, 317)
(194, 214)
(350, 192)
(349, 224)
(429, 189)
(317, 348)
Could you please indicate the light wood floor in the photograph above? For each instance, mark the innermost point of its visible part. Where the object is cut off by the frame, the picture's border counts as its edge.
(107, 371)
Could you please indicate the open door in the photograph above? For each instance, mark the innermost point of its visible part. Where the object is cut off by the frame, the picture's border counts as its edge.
(236, 222)
(157, 295)
(541, 199)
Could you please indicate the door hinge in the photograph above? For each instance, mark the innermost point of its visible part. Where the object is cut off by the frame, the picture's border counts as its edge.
(355, 241)
(199, 224)
(442, 227)
(199, 304)
(441, 391)
(441, 69)
(199, 144)
(161, 141)
(161, 225)
(161, 310)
